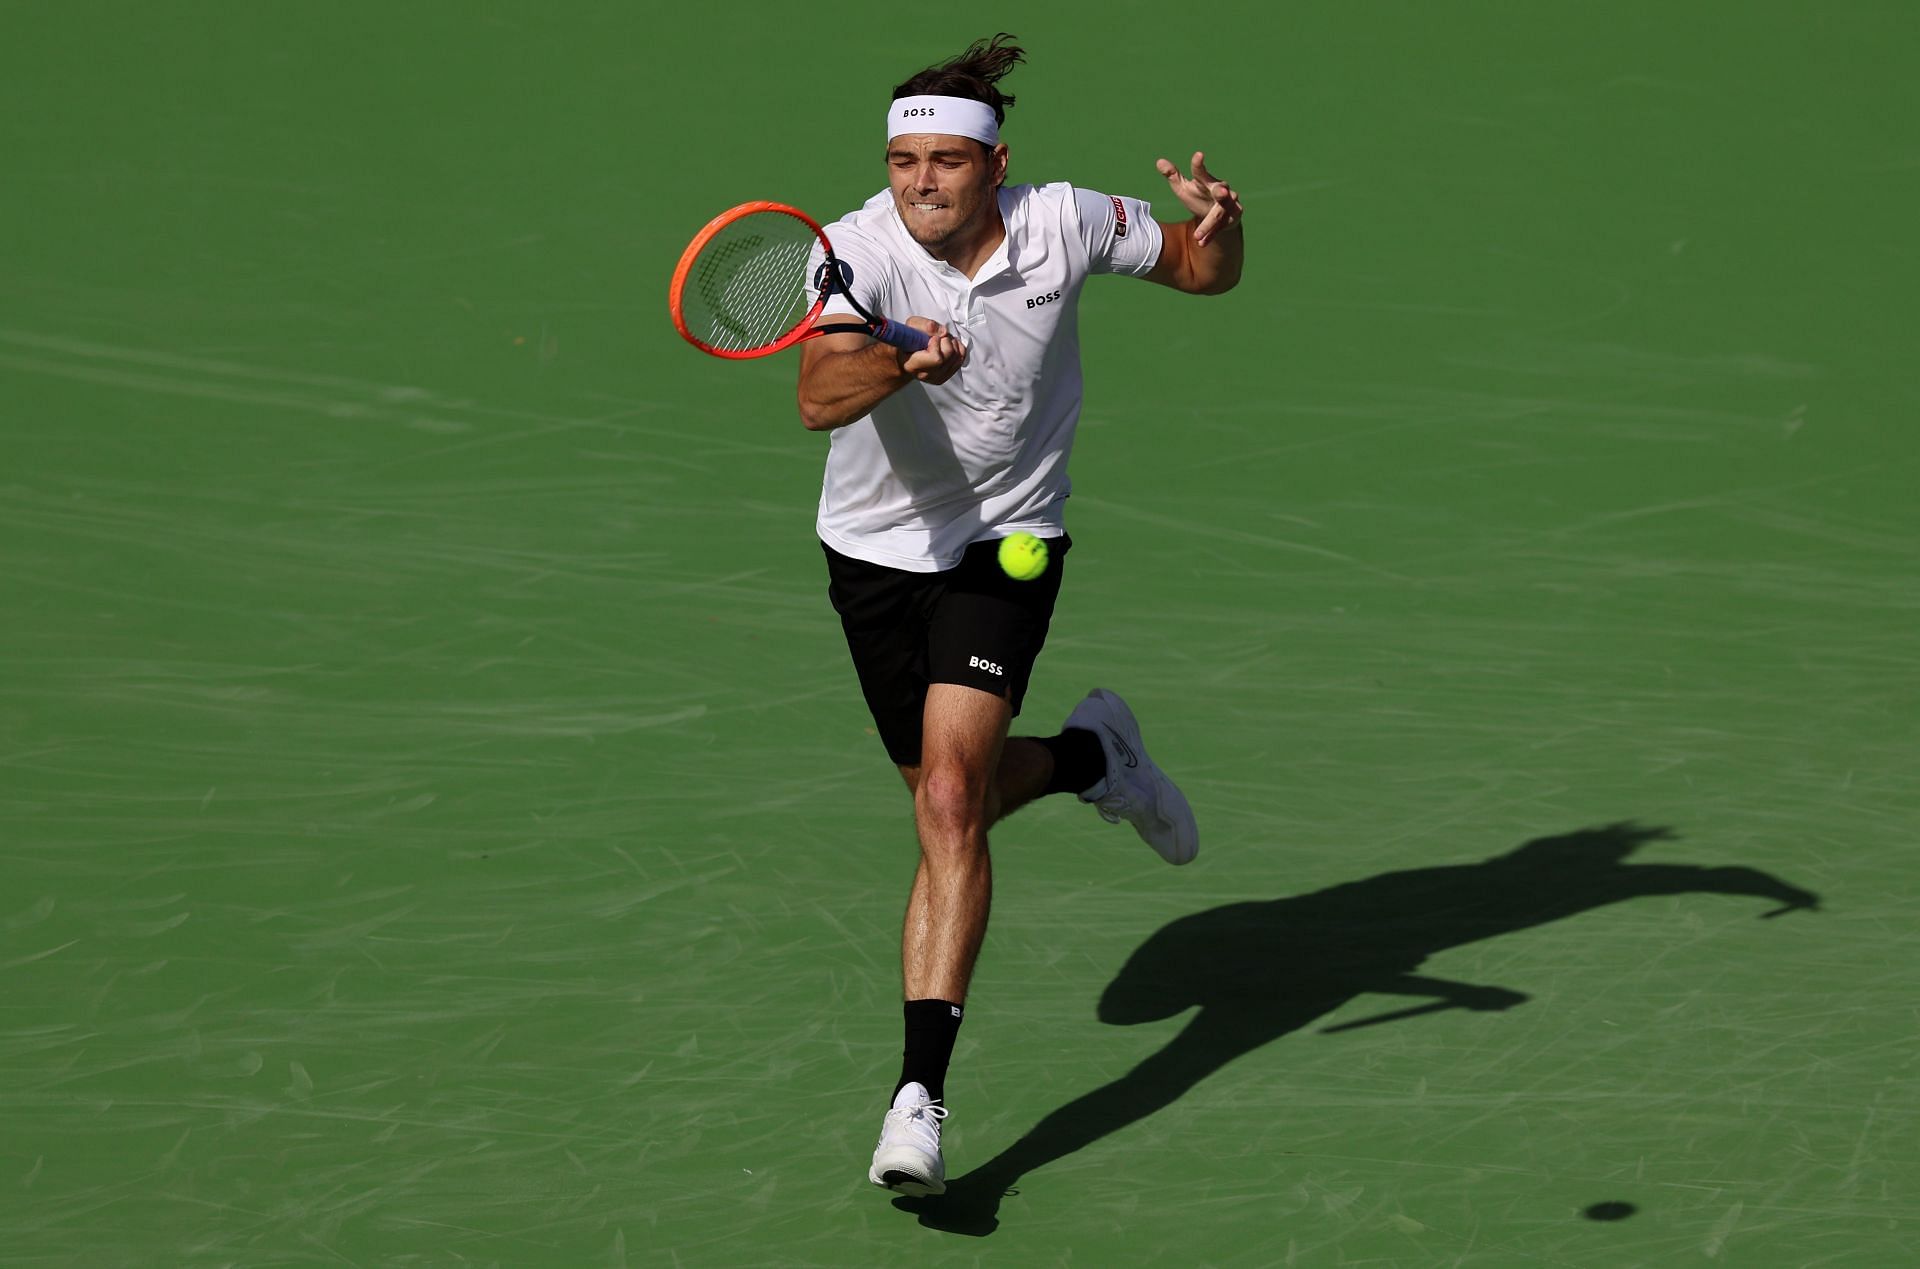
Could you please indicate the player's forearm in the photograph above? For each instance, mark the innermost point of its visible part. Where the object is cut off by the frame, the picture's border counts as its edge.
(839, 388)
(1215, 267)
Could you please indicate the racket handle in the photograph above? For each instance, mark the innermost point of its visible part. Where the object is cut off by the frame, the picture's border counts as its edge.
(892, 332)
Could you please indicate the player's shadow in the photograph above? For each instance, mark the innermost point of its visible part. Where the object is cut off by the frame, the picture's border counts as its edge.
(1260, 970)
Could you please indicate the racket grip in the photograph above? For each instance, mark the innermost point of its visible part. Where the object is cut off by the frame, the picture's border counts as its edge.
(892, 332)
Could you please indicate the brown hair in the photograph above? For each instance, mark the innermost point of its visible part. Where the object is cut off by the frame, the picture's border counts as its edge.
(973, 75)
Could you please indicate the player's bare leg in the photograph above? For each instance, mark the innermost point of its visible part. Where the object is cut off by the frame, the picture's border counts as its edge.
(956, 797)
(954, 801)
(1026, 767)
(971, 776)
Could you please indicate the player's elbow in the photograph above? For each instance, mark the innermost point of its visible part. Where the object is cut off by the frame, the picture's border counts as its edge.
(1195, 278)
(1217, 281)
(813, 414)
(817, 417)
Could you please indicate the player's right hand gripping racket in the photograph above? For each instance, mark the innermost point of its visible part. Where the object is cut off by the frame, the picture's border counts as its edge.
(741, 288)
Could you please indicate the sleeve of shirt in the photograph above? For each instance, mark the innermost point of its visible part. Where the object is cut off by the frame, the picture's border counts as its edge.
(860, 270)
(1120, 233)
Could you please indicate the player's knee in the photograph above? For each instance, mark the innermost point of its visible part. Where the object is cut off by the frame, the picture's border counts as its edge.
(952, 802)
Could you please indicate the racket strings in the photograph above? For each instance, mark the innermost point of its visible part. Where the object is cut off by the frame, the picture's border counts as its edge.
(749, 285)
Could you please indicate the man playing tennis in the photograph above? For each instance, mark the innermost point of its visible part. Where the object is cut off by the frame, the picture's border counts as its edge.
(935, 457)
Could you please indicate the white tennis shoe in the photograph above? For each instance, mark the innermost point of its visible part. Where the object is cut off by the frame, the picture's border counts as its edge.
(1134, 789)
(907, 1158)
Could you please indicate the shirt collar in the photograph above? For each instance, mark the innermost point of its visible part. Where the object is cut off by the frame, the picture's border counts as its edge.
(1012, 220)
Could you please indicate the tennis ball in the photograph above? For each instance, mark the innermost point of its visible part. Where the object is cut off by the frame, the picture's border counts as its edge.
(1023, 556)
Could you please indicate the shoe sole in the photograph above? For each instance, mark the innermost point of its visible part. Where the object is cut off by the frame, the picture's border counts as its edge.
(1175, 799)
(908, 1183)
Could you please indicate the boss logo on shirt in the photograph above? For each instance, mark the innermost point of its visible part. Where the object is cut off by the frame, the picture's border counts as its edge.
(1119, 217)
(980, 663)
(1036, 301)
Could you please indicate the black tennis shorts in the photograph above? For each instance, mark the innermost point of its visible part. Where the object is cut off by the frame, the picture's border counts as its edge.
(972, 625)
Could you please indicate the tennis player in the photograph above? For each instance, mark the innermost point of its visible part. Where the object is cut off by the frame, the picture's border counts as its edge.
(935, 457)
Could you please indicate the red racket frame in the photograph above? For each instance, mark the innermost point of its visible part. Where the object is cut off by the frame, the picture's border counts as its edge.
(802, 330)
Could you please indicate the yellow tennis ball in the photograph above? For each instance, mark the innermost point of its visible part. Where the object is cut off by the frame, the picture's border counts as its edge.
(1023, 556)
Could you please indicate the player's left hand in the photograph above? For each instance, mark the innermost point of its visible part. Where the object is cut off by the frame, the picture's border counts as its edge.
(1205, 195)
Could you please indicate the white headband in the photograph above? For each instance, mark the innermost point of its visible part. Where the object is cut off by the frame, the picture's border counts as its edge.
(954, 116)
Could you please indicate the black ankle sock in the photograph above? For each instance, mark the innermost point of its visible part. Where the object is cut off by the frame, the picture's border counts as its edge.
(932, 1027)
(1079, 762)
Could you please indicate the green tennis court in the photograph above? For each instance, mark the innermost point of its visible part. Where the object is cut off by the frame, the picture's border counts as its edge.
(439, 824)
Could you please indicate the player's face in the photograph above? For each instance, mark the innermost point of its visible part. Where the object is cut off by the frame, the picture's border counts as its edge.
(943, 186)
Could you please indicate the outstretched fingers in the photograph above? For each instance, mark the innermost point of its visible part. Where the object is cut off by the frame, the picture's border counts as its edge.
(1225, 210)
(1203, 194)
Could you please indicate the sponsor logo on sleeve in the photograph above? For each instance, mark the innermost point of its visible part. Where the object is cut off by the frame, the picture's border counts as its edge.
(843, 276)
(1119, 216)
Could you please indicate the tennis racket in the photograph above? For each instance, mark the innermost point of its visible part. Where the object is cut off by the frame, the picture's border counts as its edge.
(741, 288)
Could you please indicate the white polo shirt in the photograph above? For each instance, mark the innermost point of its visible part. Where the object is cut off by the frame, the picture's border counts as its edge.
(935, 468)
